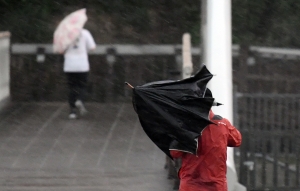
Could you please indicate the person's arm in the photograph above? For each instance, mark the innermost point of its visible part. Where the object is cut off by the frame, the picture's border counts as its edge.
(91, 45)
(235, 137)
(176, 153)
(176, 149)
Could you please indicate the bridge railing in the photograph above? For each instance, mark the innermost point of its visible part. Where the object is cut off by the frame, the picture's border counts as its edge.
(269, 156)
(4, 67)
(259, 70)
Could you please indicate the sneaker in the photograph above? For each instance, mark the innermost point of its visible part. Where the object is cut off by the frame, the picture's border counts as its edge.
(81, 107)
(72, 116)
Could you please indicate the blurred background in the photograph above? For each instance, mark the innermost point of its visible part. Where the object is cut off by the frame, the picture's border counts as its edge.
(261, 23)
(254, 23)
(145, 38)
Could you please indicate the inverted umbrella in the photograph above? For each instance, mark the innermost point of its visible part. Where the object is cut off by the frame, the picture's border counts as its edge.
(173, 113)
(68, 30)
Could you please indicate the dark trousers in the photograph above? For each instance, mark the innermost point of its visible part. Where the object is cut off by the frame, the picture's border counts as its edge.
(77, 82)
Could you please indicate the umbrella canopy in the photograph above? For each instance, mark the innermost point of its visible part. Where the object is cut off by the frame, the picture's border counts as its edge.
(68, 30)
(173, 113)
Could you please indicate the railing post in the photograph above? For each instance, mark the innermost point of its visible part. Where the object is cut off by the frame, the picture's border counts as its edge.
(243, 174)
(187, 65)
(241, 76)
(176, 72)
(111, 60)
(5, 68)
(297, 154)
(40, 59)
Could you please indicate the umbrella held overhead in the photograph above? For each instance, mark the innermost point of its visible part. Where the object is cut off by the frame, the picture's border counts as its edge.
(68, 30)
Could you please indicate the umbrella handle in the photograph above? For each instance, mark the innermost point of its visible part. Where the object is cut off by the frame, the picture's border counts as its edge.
(128, 84)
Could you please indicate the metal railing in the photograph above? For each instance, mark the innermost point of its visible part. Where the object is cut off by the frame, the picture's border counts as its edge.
(5, 67)
(270, 153)
(268, 158)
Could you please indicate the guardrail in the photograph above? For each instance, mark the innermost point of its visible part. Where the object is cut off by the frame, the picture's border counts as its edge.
(4, 65)
(112, 50)
(158, 49)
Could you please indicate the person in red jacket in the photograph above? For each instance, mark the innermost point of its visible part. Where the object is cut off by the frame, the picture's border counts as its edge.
(206, 171)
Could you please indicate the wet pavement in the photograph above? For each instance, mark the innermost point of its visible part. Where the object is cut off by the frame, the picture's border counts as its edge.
(106, 150)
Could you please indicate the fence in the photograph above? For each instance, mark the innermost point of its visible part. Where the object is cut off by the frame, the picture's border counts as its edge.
(270, 153)
(255, 69)
(268, 158)
(4, 65)
(111, 66)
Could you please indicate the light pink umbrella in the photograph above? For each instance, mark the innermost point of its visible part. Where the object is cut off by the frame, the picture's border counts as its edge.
(68, 30)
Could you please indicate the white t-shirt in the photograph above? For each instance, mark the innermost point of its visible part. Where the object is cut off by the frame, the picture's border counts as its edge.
(76, 56)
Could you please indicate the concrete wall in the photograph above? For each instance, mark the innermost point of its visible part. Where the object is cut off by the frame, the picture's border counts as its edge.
(4, 67)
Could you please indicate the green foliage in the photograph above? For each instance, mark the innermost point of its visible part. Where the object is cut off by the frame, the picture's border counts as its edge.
(28, 21)
(266, 22)
(259, 22)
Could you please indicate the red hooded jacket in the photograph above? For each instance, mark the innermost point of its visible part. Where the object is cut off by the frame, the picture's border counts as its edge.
(207, 170)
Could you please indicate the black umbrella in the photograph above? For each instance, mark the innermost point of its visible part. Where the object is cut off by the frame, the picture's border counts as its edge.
(173, 113)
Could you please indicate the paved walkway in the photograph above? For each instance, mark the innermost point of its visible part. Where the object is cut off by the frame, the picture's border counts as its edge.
(107, 150)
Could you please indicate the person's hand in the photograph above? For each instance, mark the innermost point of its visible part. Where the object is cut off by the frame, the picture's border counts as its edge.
(92, 49)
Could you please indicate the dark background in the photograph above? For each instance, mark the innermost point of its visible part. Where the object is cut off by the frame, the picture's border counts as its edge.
(263, 22)
(254, 23)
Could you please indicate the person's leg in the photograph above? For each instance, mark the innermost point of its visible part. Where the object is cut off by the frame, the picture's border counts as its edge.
(73, 93)
(82, 86)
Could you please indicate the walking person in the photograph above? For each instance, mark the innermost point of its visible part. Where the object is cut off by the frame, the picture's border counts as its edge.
(76, 68)
(206, 171)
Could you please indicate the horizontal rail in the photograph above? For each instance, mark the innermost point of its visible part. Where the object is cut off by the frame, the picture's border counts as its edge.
(128, 49)
(277, 52)
(266, 95)
(269, 159)
(158, 49)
